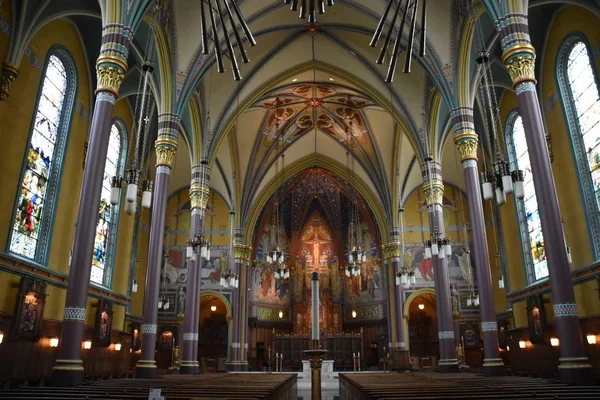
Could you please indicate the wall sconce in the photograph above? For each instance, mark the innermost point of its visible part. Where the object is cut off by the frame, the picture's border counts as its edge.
(1, 337)
(117, 346)
(522, 344)
(507, 348)
(213, 308)
(54, 342)
(554, 342)
(87, 344)
(280, 314)
(353, 313)
(421, 306)
(591, 339)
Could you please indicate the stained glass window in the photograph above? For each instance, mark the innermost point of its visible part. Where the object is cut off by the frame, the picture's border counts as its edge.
(43, 158)
(107, 215)
(585, 98)
(527, 209)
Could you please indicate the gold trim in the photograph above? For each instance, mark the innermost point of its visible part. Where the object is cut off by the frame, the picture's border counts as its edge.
(434, 193)
(520, 63)
(166, 142)
(9, 74)
(165, 154)
(114, 60)
(518, 48)
(109, 78)
(391, 250)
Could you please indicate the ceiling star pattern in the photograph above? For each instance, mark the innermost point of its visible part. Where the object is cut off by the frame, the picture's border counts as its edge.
(293, 111)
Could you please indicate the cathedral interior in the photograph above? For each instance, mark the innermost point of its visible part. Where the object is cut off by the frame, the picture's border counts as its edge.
(177, 171)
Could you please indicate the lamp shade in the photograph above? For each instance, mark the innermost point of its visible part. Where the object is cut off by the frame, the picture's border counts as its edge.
(146, 199)
(87, 344)
(131, 192)
(54, 342)
(117, 346)
(554, 342)
(427, 253)
(130, 208)
(500, 197)
(507, 184)
(522, 344)
(353, 313)
(591, 339)
(434, 249)
(488, 193)
(115, 194)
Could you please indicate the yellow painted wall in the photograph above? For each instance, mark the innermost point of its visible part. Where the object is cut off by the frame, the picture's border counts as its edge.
(16, 114)
(568, 20)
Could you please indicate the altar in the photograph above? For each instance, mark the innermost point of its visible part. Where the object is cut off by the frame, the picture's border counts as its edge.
(326, 370)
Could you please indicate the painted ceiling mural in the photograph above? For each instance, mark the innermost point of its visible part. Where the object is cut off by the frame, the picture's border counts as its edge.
(291, 112)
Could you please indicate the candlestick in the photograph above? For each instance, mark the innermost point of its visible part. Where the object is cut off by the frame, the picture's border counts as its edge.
(315, 306)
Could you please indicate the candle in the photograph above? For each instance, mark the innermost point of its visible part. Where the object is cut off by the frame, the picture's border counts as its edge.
(315, 306)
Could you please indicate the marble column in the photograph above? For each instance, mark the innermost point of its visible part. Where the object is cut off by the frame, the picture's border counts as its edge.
(233, 364)
(466, 141)
(110, 70)
(433, 189)
(519, 58)
(166, 148)
(202, 189)
(188, 363)
(242, 255)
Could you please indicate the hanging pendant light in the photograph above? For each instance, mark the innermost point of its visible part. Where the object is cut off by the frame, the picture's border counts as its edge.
(569, 256)
(216, 17)
(309, 11)
(501, 282)
(507, 182)
(134, 286)
(518, 178)
(115, 190)
(427, 249)
(442, 248)
(396, 25)
(500, 196)
(486, 187)
(147, 193)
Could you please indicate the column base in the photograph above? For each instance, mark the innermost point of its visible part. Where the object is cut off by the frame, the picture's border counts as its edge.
(575, 371)
(67, 373)
(236, 366)
(448, 366)
(145, 369)
(493, 367)
(187, 368)
(400, 359)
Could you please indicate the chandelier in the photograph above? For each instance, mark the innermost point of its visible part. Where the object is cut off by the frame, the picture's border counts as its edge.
(500, 181)
(436, 246)
(405, 276)
(229, 278)
(357, 255)
(138, 170)
(220, 5)
(276, 257)
(314, 7)
(412, 7)
(198, 246)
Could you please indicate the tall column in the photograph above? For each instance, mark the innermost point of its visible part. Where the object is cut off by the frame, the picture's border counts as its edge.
(466, 141)
(242, 255)
(166, 147)
(433, 190)
(519, 57)
(201, 189)
(233, 364)
(190, 324)
(110, 70)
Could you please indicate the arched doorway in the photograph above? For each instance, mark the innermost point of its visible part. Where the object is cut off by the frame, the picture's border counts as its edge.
(213, 334)
(420, 308)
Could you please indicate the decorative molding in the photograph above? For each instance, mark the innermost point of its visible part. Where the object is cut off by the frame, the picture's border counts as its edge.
(446, 335)
(190, 337)
(562, 310)
(74, 314)
(149, 329)
(489, 326)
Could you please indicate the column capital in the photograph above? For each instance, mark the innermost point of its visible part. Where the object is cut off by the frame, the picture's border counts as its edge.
(9, 74)
(199, 189)
(391, 250)
(242, 251)
(166, 144)
(517, 52)
(111, 65)
(434, 193)
(465, 138)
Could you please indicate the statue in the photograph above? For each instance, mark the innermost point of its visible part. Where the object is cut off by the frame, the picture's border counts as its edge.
(455, 296)
(460, 354)
(181, 301)
(175, 359)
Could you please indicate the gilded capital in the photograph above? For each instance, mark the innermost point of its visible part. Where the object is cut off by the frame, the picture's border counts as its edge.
(391, 250)
(434, 193)
(110, 73)
(466, 144)
(165, 152)
(9, 74)
(199, 196)
(520, 62)
(241, 251)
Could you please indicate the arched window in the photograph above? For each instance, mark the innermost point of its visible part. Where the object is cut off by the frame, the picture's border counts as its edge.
(40, 178)
(579, 86)
(532, 238)
(108, 215)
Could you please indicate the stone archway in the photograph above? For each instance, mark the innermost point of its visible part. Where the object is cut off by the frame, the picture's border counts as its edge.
(407, 307)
